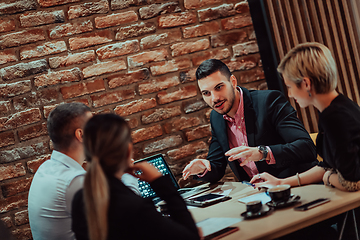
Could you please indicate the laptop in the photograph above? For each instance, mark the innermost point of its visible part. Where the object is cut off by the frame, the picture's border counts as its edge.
(159, 162)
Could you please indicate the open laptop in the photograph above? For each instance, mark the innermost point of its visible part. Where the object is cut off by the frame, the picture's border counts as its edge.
(159, 162)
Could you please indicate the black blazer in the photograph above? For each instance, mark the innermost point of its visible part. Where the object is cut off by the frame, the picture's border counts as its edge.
(270, 120)
(133, 217)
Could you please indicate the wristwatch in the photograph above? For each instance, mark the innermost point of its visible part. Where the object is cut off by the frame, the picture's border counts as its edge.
(264, 151)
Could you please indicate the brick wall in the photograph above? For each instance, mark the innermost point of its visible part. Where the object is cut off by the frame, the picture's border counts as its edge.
(135, 58)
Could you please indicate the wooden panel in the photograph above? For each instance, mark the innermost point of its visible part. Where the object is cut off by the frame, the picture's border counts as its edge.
(335, 23)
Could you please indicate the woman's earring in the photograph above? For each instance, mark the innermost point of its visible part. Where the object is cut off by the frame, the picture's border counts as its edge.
(309, 93)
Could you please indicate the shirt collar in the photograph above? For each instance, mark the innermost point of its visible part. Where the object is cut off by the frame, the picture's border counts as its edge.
(66, 160)
(240, 111)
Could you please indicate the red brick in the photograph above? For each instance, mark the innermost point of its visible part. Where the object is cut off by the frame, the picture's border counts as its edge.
(32, 19)
(7, 138)
(112, 97)
(187, 150)
(242, 7)
(118, 49)
(7, 25)
(10, 7)
(33, 165)
(11, 171)
(201, 29)
(88, 8)
(115, 19)
(156, 85)
(13, 202)
(120, 4)
(252, 35)
(21, 218)
(90, 39)
(72, 59)
(160, 114)
(20, 119)
(22, 70)
(104, 67)
(14, 89)
(42, 49)
(144, 134)
(48, 109)
(160, 39)
(158, 9)
(226, 39)
(24, 150)
(133, 122)
(198, 132)
(128, 78)
(170, 66)
(182, 93)
(244, 63)
(69, 29)
(147, 57)
(35, 99)
(209, 14)
(7, 221)
(245, 48)
(60, 77)
(135, 106)
(192, 4)
(49, 3)
(236, 22)
(15, 187)
(80, 100)
(194, 105)
(5, 107)
(176, 19)
(188, 75)
(7, 56)
(22, 233)
(168, 142)
(178, 124)
(81, 89)
(215, 54)
(33, 131)
(183, 48)
(20, 38)
(252, 76)
(135, 30)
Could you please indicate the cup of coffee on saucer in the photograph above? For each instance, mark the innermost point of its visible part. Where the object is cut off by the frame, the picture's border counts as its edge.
(255, 209)
(281, 196)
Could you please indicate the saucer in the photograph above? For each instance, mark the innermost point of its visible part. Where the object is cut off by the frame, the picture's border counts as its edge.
(249, 215)
(293, 199)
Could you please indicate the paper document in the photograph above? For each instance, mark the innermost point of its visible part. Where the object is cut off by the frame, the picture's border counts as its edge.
(212, 225)
(260, 196)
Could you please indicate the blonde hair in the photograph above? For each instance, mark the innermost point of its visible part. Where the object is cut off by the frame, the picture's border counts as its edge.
(314, 61)
(106, 143)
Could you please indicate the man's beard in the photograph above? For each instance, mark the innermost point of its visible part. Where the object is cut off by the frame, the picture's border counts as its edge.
(230, 100)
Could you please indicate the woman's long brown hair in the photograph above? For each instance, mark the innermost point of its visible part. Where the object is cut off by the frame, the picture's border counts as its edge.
(106, 141)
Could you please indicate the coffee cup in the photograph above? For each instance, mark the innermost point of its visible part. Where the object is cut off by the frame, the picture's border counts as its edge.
(254, 206)
(279, 193)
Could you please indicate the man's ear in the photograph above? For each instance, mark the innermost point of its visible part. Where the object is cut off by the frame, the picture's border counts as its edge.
(233, 81)
(79, 134)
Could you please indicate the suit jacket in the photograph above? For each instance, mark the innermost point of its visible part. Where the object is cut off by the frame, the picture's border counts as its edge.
(271, 121)
(133, 217)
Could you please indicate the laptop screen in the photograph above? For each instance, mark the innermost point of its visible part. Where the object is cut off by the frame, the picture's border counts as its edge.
(159, 162)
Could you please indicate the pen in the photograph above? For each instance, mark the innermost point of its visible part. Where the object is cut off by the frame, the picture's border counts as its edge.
(248, 183)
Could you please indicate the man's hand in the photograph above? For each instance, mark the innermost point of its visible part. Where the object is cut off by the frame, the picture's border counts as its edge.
(196, 166)
(246, 154)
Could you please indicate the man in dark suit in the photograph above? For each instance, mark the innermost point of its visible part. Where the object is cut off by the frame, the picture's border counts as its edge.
(253, 131)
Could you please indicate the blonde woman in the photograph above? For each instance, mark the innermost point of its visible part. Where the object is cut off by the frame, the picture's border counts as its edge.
(309, 72)
(112, 210)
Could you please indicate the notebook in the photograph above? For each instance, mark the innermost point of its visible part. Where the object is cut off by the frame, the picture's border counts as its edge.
(159, 162)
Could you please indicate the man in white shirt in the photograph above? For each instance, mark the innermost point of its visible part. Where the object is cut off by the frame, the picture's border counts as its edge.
(59, 178)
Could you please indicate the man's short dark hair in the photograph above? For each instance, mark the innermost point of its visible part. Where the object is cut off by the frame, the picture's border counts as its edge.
(63, 121)
(211, 66)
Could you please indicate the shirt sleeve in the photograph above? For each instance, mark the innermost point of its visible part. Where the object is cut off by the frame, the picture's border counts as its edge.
(76, 184)
(272, 158)
(131, 182)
